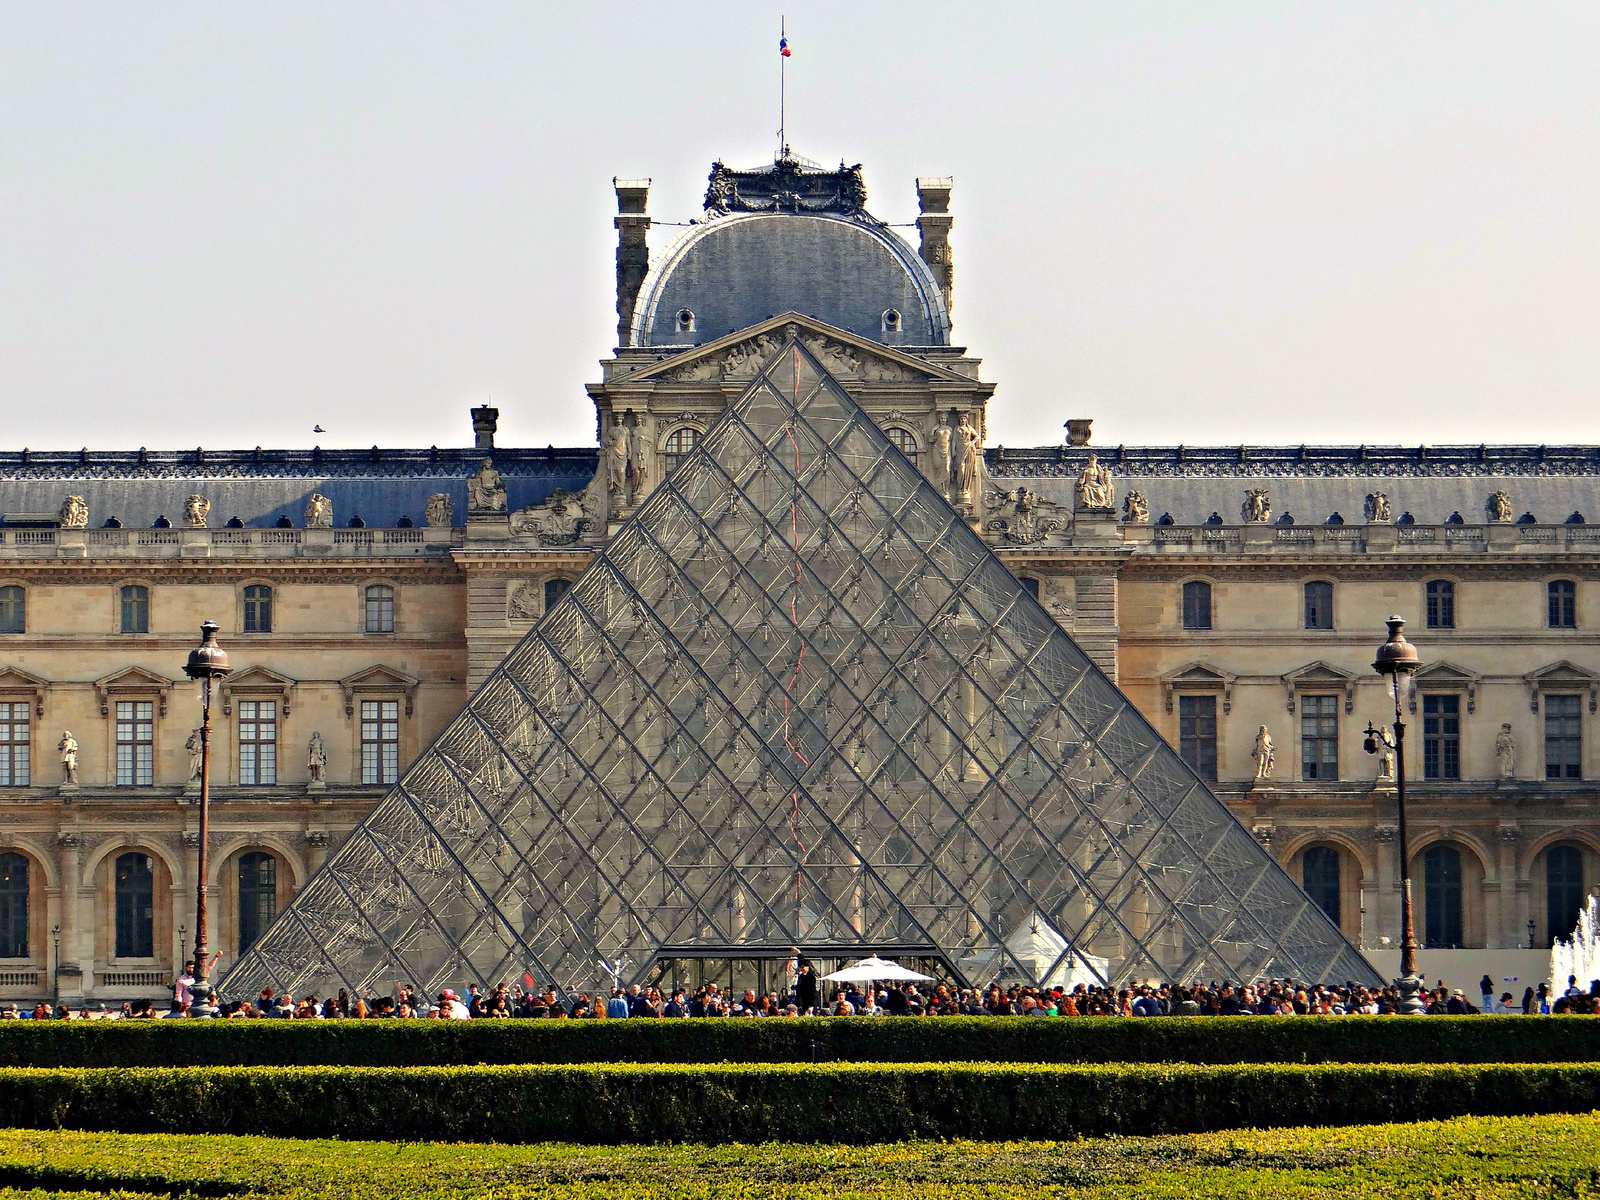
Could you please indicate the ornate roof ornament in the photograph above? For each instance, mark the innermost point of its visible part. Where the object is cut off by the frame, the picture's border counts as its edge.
(788, 185)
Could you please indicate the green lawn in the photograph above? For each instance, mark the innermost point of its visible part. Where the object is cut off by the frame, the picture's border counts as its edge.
(1469, 1156)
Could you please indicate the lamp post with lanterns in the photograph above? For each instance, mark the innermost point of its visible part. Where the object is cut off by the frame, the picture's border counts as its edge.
(207, 661)
(1398, 659)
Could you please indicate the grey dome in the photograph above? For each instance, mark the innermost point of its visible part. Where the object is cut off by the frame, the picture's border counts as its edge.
(734, 271)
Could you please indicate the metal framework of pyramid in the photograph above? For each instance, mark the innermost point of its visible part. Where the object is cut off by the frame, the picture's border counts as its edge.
(796, 701)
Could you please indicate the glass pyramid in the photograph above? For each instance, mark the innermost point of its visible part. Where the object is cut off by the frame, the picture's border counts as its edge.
(796, 702)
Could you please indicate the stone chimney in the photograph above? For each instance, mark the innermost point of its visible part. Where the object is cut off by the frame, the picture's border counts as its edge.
(633, 254)
(933, 195)
(1079, 430)
(485, 421)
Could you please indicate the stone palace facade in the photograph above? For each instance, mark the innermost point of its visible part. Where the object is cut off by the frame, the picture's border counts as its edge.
(1235, 594)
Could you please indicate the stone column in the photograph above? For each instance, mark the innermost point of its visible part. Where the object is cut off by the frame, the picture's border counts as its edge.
(933, 196)
(1383, 920)
(73, 910)
(1505, 932)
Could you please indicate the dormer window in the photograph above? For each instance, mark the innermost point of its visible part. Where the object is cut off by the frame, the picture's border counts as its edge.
(685, 321)
(891, 320)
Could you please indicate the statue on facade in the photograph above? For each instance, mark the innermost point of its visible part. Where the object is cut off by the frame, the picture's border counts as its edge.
(1257, 507)
(1135, 509)
(317, 758)
(195, 509)
(618, 455)
(319, 511)
(74, 513)
(938, 459)
(486, 491)
(1385, 763)
(967, 463)
(441, 510)
(68, 745)
(524, 602)
(1376, 507)
(1499, 506)
(1264, 754)
(1095, 489)
(1505, 752)
(195, 745)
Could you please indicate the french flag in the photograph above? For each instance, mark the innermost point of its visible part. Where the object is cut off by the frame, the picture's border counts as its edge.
(783, 47)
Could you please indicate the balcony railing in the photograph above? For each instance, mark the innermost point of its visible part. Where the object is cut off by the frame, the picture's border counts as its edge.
(231, 543)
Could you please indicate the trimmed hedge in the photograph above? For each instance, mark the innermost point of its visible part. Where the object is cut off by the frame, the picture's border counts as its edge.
(829, 1039)
(858, 1103)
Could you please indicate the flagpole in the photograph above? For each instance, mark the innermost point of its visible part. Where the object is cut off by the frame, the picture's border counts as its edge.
(783, 92)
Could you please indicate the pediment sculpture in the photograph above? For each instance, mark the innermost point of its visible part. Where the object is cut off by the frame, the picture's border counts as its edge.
(559, 521)
(1023, 518)
(844, 362)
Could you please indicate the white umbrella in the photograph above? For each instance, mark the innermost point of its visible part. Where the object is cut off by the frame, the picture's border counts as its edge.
(869, 970)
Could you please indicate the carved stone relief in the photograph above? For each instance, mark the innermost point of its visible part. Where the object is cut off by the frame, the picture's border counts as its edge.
(441, 510)
(74, 513)
(1022, 518)
(1257, 507)
(1135, 509)
(560, 521)
(195, 509)
(525, 601)
(319, 511)
(1376, 507)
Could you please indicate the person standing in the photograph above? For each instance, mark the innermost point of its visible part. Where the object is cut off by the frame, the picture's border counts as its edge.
(807, 994)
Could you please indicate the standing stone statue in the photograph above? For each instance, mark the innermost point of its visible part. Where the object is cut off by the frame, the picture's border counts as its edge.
(68, 745)
(1264, 754)
(195, 509)
(319, 511)
(1377, 507)
(74, 513)
(317, 758)
(1257, 507)
(1095, 489)
(1499, 506)
(1386, 762)
(618, 454)
(967, 464)
(194, 747)
(1505, 752)
(441, 510)
(1135, 509)
(938, 459)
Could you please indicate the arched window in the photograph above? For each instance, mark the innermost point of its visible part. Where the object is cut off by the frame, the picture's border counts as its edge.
(1319, 605)
(1196, 605)
(1563, 889)
(13, 610)
(677, 446)
(904, 441)
(1441, 604)
(258, 896)
(1320, 876)
(258, 608)
(554, 589)
(1029, 585)
(1441, 876)
(135, 608)
(1563, 604)
(13, 906)
(135, 902)
(380, 608)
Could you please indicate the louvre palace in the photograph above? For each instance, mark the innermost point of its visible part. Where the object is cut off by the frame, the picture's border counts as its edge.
(791, 657)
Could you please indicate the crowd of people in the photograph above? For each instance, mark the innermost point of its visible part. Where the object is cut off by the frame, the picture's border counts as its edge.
(806, 997)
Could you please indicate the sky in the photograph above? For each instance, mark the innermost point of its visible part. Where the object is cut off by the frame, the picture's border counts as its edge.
(1219, 223)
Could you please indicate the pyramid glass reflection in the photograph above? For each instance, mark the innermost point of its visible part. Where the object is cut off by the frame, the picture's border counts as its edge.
(796, 701)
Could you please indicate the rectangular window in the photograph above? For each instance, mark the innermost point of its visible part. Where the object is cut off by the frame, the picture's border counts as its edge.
(1441, 604)
(258, 742)
(1319, 737)
(1197, 605)
(1563, 604)
(15, 726)
(1563, 737)
(136, 753)
(1441, 737)
(1319, 605)
(1197, 734)
(380, 741)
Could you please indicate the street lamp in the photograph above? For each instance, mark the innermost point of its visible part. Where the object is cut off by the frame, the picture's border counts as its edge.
(207, 661)
(1397, 658)
(55, 981)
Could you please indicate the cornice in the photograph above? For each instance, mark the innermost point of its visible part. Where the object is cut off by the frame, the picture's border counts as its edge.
(438, 570)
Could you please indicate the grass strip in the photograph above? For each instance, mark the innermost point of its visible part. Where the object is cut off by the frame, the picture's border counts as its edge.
(1512, 1158)
(855, 1103)
(1481, 1039)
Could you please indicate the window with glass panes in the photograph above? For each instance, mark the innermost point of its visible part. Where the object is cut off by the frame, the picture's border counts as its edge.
(554, 589)
(134, 602)
(1197, 734)
(13, 610)
(1196, 605)
(258, 896)
(1441, 604)
(1441, 737)
(136, 753)
(1319, 605)
(258, 742)
(258, 608)
(1319, 875)
(1563, 604)
(380, 741)
(13, 906)
(135, 888)
(1319, 737)
(1563, 890)
(678, 444)
(1441, 891)
(15, 727)
(1563, 737)
(904, 441)
(380, 609)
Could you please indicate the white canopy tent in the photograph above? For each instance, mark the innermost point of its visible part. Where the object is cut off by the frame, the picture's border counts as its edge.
(874, 970)
(1032, 950)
